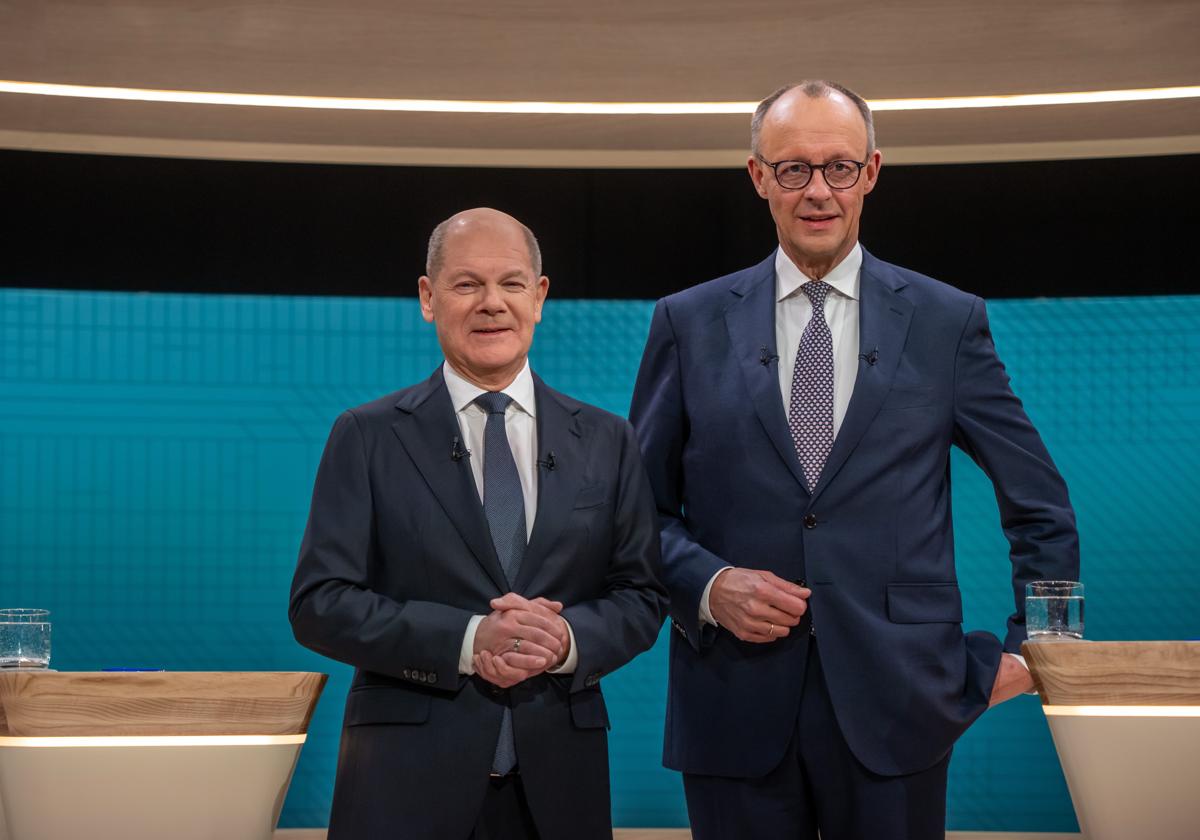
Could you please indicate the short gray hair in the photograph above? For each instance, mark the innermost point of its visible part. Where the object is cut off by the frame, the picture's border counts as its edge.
(813, 89)
(436, 252)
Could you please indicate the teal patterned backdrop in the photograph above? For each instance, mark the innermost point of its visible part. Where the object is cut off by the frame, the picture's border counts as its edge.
(157, 454)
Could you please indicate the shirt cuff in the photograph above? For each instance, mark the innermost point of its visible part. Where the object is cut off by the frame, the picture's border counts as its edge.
(706, 616)
(572, 660)
(465, 666)
(1024, 665)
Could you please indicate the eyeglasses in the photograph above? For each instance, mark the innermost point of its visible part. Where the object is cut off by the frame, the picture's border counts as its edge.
(795, 174)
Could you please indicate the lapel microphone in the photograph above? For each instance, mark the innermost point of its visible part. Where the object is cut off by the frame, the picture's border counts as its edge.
(548, 464)
(457, 452)
(870, 358)
(765, 356)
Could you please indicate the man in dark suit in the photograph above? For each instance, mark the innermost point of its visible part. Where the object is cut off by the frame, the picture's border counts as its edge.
(796, 419)
(482, 549)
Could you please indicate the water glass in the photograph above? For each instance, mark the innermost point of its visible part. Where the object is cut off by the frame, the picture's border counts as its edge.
(1054, 610)
(24, 639)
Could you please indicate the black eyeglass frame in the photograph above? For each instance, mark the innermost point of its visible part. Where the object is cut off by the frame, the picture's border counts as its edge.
(813, 167)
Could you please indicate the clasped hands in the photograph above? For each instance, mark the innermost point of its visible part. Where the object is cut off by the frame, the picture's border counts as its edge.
(520, 639)
(756, 605)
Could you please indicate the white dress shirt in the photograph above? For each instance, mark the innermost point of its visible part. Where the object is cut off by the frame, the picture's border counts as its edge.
(793, 311)
(520, 422)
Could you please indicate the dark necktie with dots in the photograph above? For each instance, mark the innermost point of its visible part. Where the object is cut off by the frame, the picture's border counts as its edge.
(810, 413)
(504, 506)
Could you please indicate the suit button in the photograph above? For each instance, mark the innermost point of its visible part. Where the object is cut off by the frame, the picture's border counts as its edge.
(810, 521)
(495, 690)
(431, 677)
(802, 582)
(406, 674)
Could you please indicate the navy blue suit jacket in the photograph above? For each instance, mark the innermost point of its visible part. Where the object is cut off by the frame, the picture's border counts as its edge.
(397, 557)
(873, 540)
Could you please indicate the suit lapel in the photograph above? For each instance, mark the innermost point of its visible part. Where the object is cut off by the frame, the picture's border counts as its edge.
(426, 427)
(559, 433)
(884, 316)
(751, 324)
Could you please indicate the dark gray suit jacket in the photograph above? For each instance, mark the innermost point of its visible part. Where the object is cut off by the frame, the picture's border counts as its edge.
(396, 559)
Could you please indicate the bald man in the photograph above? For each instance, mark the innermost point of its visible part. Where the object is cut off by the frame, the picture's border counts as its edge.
(482, 549)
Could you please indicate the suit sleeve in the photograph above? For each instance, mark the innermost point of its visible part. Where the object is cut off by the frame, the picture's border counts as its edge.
(992, 427)
(658, 414)
(333, 609)
(624, 621)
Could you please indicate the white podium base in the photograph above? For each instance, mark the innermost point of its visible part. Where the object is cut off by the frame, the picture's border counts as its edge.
(144, 788)
(1131, 770)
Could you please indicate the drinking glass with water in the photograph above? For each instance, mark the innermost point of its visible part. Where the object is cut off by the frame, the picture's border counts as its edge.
(1054, 610)
(24, 639)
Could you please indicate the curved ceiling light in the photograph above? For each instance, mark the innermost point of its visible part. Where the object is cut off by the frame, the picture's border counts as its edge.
(464, 106)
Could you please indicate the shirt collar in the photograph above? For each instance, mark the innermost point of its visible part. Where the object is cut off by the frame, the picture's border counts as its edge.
(843, 278)
(463, 392)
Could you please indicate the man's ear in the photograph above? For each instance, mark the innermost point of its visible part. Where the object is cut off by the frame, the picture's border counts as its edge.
(871, 170)
(543, 288)
(425, 293)
(758, 174)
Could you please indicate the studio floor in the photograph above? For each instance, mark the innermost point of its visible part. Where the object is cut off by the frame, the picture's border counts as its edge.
(684, 834)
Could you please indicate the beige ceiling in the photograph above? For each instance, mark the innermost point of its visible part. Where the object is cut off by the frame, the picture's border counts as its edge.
(655, 50)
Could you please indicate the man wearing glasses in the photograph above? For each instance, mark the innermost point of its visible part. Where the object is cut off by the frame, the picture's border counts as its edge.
(796, 420)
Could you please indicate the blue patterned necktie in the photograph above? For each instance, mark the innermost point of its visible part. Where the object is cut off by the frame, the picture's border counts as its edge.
(810, 413)
(504, 505)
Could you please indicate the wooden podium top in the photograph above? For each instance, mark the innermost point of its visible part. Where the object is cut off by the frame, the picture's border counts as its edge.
(1079, 673)
(49, 703)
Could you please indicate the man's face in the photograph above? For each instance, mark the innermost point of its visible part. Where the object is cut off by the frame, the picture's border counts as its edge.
(485, 299)
(817, 226)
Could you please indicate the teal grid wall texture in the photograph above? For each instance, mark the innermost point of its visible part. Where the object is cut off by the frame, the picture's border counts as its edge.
(157, 455)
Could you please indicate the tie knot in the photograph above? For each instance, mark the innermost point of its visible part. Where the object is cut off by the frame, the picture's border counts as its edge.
(493, 402)
(816, 291)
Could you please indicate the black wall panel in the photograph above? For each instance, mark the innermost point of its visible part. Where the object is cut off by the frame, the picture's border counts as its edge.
(1066, 228)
